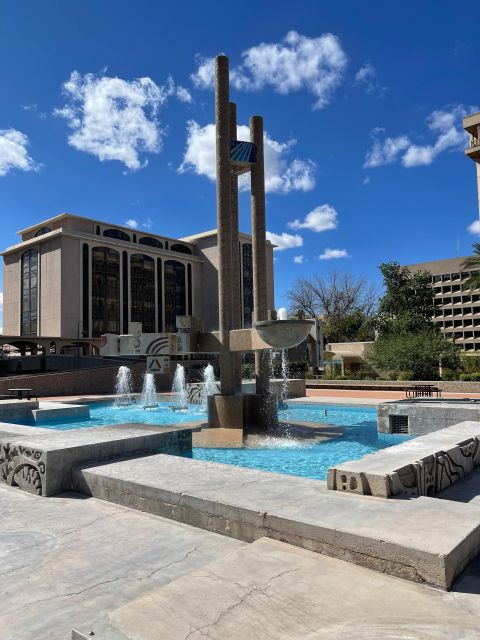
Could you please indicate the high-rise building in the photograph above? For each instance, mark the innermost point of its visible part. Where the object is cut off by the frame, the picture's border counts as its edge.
(458, 313)
(71, 276)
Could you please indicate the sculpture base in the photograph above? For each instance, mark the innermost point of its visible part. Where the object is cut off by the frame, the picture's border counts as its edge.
(260, 412)
(225, 412)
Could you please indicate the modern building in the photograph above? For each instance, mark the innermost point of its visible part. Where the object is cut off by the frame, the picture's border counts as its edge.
(471, 124)
(458, 313)
(73, 277)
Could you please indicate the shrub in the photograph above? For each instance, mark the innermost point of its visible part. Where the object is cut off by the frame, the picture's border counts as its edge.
(465, 377)
(406, 375)
(309, 375)
(475, 377)
(342, 378)
(448, 374)
(247, 371)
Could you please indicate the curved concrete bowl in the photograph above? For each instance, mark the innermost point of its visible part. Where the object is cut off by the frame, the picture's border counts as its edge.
(283, 334)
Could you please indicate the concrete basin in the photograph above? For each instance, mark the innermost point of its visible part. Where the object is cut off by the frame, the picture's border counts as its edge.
(283, 334)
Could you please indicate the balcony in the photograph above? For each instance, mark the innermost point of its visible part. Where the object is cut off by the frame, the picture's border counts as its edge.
(471, 124)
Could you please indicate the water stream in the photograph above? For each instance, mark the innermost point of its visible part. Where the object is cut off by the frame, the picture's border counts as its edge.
(148, 398)
(123, 387)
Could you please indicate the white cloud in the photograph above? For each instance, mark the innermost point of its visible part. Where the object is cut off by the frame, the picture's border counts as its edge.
(297, 62)
(281, 174)
(331, 254)
(366, 78)
(366, 180)
(322, 218)
(284, 240)
(474, 228)
(13, 152)
(183, 94)
(116, 119)
(298, 259)
(132, 223)
(445, 125)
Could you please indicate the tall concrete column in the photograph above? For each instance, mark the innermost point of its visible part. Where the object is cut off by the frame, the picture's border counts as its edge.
(237, 305)
(224, 223)
(259, 251)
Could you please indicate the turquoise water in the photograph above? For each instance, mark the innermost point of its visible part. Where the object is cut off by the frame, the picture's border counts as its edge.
(294, 456)
(304, 458)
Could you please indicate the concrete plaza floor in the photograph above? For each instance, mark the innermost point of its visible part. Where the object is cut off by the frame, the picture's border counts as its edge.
(75, 562)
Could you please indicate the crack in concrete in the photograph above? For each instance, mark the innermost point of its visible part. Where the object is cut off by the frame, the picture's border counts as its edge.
(252, 589)
(103, 582)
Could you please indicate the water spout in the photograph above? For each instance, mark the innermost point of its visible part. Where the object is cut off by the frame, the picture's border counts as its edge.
(210, 386)
(179, 388)
(284, 393)
(123, 388)
(148, 399)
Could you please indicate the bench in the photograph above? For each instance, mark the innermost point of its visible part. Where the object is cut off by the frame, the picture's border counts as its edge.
(423, 391)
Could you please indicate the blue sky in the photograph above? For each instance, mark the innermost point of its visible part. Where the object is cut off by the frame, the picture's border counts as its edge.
(362, 104)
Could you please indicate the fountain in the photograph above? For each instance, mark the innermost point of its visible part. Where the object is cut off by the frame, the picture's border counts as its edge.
(123, 388)
(210, 386)
(148, 399)
(179, 388)
(282, 401)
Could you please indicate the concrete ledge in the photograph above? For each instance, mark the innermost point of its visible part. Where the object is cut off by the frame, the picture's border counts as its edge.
(42, 463)
(420, 467)
(425, 416)
(424, 540)
(57, 410)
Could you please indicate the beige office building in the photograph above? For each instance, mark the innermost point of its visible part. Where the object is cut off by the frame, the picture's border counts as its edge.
(458, 314)
(73, 277)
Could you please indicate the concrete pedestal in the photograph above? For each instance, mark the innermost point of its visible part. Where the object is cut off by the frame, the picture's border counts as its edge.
(260, 412)
(225, 412)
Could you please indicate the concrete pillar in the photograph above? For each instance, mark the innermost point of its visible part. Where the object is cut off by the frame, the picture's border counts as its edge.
(478, 185)
(259, 252)
(224, 223)
(237, 304)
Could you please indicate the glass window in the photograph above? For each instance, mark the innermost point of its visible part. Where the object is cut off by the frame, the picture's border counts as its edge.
(151, 242)
(247, 280)
(180, 248)
(105, 291)
(125, 292)
(85, 291)
(29, 293)
(117, 234)
(174, 279)
(142, 290)
(189, 280)
(437, 278)
(43, 230)
(159, 295)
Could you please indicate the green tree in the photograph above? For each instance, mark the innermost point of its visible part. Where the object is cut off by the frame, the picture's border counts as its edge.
(472, 263)
(409, 342)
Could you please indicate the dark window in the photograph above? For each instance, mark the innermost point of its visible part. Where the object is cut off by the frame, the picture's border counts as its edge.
(134, 237)
(151, 242)
(247, 279)
(29, 292)
(166, 244)
(105, 291)
(43, 230)
(125, 291)
(85, 291)
(159, 295)
(189, 294)
(97, 230)
(174, 293)
(117, 234)
(180, 248)
(142, 289)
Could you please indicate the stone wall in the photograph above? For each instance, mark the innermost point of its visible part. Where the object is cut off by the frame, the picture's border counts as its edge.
(393, 385)
(84, 381)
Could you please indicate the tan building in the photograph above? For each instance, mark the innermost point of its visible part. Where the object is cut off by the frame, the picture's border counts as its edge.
(72, 277)
(458, 314)
(471, 124)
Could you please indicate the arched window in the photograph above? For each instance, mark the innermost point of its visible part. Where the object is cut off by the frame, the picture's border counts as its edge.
(29, 300)
(174, 277)
(142, 291)
(151, 242)
(105, 291)
(43, 230)
(180, 248)
(247, 280)
(97, 230)
(117, 234)
(134, 237)
(125, 291)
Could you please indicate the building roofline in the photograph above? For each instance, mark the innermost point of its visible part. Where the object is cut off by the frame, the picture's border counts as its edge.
(426, 262)
(213, 232)
(66, 214)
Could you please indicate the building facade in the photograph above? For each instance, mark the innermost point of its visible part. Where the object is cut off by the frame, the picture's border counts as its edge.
(75, 277)
(458, 313)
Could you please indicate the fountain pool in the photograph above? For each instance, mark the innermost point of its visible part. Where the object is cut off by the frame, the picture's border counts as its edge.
(295, 455)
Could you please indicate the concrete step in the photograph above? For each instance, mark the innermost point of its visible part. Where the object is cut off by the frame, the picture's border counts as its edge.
(270, 590)
(423, 540)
